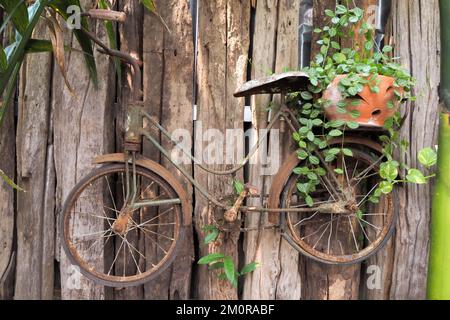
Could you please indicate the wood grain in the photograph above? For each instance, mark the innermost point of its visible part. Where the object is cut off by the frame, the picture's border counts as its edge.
(223, 51)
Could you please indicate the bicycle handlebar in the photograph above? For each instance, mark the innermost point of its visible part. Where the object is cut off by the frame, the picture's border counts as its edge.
(104, 14)
(137, 76)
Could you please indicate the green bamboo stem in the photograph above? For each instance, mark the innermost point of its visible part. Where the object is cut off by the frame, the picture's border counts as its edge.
(439, 264)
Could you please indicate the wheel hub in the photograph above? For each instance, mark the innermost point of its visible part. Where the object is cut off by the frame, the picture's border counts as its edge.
(120, 225)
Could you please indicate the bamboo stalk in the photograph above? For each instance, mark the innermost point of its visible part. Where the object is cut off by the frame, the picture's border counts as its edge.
(439, 263)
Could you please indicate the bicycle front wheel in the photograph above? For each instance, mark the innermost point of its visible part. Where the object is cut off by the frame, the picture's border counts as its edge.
(113, 243)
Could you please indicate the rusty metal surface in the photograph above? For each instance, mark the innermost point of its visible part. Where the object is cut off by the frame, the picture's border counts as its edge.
(285, 82)
(161, 171)
(85, 268)
(373, 247)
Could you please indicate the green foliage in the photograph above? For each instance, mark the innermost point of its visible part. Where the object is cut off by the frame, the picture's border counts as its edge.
(9, 181)
(238, 186)
(149, 4)
(18, 12)
(226, 267)
(221, 262)
(361, 67)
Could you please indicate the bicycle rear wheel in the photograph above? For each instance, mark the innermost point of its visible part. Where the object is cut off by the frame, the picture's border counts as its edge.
(142, 247)
(348, 235)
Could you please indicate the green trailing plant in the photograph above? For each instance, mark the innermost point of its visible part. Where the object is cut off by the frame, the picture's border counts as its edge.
(22, 19)
(361, 67)
(219, 261)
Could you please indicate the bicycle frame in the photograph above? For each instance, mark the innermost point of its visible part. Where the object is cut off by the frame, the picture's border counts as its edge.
(135, 132)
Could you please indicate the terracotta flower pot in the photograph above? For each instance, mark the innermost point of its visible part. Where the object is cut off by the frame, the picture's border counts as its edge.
(374, 108)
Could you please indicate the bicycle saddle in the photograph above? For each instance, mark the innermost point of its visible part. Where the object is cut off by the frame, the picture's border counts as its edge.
(284, 82)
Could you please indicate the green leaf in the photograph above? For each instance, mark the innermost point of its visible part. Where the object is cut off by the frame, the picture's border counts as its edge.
(389, 170)
(149, 4)
(19, 13)
(355, 114)
(303, 187)
(339, 57)
(329, 13)
(306, 95)
(309, 201)
(238, 186)
(415, 176)
(330, 158)
(3, 60)
(336, 133)
(212, 236)
(60, 6)
(16, 56)
(302, 154)
(314, 160)
(386, 187)
(341, 9)
(311, 136)
(368, 45)
(9, 181)
(336, 124)
(339, 171)
(249, 268)
(428, 157)
(387, 49)
(353, 125)
(210, 258)
(334, 151)
(228, 266)
(215, 266)
(347, 152)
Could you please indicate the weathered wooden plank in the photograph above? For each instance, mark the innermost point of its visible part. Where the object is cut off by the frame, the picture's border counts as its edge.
(416, 40)
(168, 92)
(376, 272)
(329, 282)
(223, 49)
(260, 283)
(82, 129)
(278, 277)
(7, 164)
(153, 75)
(289, 282)
(176, 114)
(32, 139)
(131, 42)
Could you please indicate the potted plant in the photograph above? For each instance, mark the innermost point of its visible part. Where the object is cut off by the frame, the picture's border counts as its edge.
(360, 88)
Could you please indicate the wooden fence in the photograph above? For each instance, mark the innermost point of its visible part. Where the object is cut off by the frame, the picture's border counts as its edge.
(56, 135)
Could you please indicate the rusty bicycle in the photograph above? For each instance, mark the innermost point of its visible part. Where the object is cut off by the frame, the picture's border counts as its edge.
(136, 211)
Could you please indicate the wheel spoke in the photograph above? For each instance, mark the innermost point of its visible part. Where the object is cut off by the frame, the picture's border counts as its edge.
(364, 231)
(152, 219)
(306, 219)
(115, 258)
(353, 233)
(111, 194)
(367, 195)
(321, 236)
